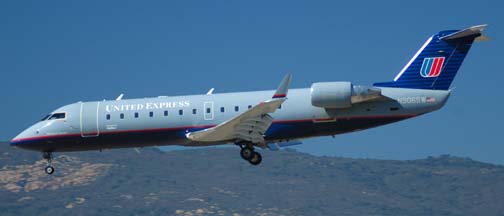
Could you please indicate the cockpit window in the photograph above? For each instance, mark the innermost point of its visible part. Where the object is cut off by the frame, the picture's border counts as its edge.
(45, 117)
(57, 116)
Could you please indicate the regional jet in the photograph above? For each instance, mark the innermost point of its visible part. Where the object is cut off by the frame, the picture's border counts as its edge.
(256, 119)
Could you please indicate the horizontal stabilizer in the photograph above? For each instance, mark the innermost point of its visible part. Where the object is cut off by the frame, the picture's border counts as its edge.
(482, 38)
(468, 32)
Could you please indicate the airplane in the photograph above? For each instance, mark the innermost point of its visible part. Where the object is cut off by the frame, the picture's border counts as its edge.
(257, 119)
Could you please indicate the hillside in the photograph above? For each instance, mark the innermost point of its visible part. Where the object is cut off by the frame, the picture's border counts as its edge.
(215, 181)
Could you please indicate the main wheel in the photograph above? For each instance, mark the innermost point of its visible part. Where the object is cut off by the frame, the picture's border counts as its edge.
(255, 159)
(49, 170)
(246, 153)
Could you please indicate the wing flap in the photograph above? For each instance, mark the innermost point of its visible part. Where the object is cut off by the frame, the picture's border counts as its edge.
(253, 129)
(254, 117)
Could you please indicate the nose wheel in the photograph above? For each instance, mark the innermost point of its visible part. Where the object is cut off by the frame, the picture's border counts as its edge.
(48, 157)
(248, 153)
(49, 169)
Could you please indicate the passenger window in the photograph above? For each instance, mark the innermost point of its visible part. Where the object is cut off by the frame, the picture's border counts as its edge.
(208, 110)
(249, 106)
(181, 112)
(166, 113)
(57, 116)
(136, 115)
(108, 116)
(121, 116)
(151, 114)
(194, 111)
(237, 108)
(222, 109)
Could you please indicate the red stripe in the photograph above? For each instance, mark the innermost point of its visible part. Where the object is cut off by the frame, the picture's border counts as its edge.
(433, 68)
(206, 126)
(111, 132)
(279, 95)
(439, 66)
(44, 137)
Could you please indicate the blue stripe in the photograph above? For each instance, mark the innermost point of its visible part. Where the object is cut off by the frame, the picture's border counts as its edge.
(424, 67)
(429, 66)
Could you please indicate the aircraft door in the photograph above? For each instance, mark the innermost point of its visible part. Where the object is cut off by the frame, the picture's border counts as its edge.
(89, 119)
(208, 110)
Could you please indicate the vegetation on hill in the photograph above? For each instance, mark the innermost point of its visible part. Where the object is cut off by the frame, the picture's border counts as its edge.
(216, 181)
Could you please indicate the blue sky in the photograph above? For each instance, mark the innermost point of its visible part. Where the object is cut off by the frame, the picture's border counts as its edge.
(58, 52)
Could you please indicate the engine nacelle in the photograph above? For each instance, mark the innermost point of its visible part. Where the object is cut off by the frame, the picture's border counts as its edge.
(340, 95)
(331, 94)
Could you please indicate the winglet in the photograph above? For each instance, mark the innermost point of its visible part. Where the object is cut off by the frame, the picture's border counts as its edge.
(283, 88)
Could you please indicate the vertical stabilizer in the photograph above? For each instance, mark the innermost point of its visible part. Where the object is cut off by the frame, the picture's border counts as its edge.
(436, 63)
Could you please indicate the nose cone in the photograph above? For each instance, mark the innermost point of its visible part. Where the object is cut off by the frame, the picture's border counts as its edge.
(16, 140)
(23, 137)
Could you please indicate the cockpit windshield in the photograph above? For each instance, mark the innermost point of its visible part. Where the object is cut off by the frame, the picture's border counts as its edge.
(57, 116)
(45, 117)
(54, 116)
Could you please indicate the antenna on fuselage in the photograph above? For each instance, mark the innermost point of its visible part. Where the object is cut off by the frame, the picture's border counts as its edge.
(119, 97)
(210, 91)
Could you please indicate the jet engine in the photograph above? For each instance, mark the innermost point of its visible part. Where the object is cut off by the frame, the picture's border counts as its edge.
(340, 95)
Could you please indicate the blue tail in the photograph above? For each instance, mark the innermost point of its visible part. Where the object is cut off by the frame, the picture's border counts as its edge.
(435, 65)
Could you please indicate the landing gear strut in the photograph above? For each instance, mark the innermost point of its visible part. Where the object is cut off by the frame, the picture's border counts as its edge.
(48, 156)
(247, 153)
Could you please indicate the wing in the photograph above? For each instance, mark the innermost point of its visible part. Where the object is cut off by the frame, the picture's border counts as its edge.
(248, 126)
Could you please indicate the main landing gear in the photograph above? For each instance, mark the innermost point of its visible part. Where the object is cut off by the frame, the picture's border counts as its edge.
(247, 153)
(48, 156)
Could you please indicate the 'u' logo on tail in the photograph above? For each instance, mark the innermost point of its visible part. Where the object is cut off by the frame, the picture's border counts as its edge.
(431, 67)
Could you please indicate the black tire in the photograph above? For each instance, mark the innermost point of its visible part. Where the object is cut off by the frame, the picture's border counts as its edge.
(49, 170)
(246, 153)
(255, 159)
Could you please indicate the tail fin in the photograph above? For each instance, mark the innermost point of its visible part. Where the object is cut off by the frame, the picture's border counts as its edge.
(435, 65)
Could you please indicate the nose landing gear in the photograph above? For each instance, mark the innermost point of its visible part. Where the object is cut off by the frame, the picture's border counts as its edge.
(48, 169)
(247, 153)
